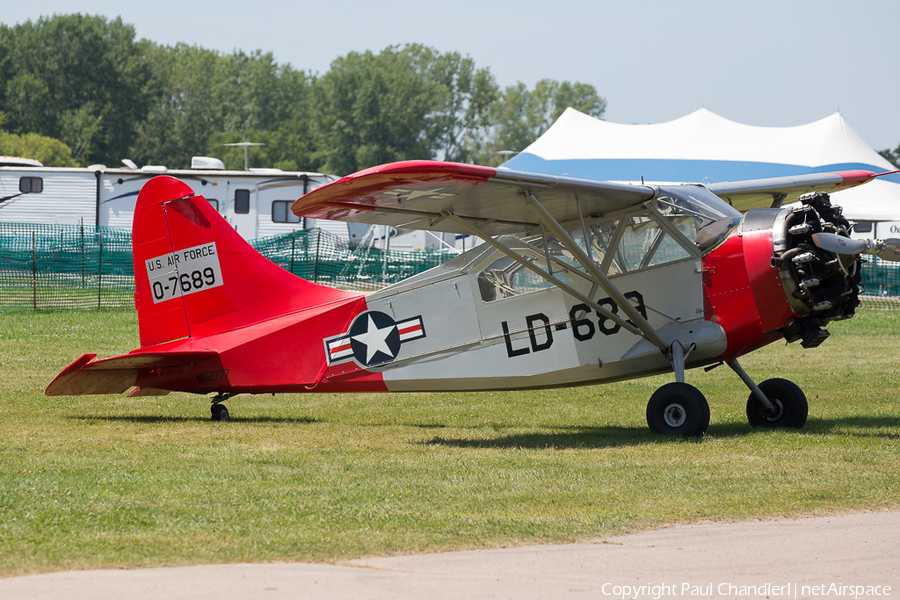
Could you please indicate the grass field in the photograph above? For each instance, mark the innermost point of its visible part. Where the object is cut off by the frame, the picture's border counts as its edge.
(103, 481)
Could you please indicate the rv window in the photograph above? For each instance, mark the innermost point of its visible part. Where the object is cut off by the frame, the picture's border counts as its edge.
(281, 212)
(241, 202)
(863, 227)
(31, 185)
(214, 203)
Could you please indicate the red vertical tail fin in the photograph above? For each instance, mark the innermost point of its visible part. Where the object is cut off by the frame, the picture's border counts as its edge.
(195, 276)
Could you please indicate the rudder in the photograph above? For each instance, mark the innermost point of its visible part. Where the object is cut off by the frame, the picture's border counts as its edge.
(196, 276)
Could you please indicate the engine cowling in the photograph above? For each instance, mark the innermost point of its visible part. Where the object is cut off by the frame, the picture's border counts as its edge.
(821, 286)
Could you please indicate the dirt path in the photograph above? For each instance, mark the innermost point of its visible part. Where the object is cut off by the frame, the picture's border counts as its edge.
(847, 556)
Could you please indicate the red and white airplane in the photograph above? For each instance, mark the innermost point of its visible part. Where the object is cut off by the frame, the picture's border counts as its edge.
(578, 282)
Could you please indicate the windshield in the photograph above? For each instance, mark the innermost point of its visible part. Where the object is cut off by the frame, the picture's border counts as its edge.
(698, 213)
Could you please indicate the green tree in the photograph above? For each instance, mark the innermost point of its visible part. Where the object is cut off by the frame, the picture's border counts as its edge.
(78, 78)
(83, 130)
(27, 104)
(259, 94)
(459, 121)
(86, 82)
(892, 156)
(51, 152)
(185, 84)
(370, 109)
(6, 67)
(289, 148)
(521, 115)
(204, 98)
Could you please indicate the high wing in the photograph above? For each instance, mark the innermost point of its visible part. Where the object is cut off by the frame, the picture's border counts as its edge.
(775, 191)
(423, 194)
(489, 202)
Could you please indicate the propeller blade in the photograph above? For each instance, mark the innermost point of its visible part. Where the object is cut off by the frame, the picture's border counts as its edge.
(891, 250)
(839, 244)
(888, 249)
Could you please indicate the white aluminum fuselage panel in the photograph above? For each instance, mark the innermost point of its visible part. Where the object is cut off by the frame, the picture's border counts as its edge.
(543, 338)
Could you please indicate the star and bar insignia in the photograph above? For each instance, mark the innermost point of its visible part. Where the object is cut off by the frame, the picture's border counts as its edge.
(374, 338)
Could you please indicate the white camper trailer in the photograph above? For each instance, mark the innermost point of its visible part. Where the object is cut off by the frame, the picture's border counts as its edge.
(876, 229)
(256, 202)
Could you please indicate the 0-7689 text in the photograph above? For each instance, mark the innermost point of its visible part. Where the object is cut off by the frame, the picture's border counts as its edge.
(185, 282)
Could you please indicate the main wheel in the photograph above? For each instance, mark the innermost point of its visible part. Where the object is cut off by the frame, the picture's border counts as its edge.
(678, 409)
(791, 407)
(219, 412)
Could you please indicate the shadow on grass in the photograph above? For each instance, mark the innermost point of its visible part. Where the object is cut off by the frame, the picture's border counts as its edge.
(569, 437)
(561, 437)
(615, 436)
(158, 419)
(860, 426)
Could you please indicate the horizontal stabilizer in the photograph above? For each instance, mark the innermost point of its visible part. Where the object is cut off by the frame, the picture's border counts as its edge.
(118, 374)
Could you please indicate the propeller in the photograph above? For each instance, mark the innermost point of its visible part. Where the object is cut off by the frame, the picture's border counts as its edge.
(887, 249)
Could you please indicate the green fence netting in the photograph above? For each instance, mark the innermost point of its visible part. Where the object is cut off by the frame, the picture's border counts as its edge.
(64, 266)
(881, 281)
(57, 267)
(322, 257)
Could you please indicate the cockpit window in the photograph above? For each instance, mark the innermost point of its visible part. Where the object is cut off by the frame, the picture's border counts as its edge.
(700, 215)
(632, 243)
(505, 277)
(642, 238)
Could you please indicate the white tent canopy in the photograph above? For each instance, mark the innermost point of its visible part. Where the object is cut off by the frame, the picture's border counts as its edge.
(704, 147)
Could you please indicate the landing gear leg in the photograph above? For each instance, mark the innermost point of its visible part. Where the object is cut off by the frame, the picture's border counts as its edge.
(218, 410)
(774, 402)
(677, 356)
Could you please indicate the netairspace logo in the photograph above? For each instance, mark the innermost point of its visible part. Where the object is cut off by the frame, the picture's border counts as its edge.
(730, 590)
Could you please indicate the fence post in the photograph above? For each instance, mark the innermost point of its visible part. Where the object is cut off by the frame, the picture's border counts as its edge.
(316, 267)
(293, 244)
(100, 271)
(82, 253)
(33, 271)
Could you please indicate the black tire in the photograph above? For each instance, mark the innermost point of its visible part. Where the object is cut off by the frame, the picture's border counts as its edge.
(789, 400)
(678, 409)
(219, 412)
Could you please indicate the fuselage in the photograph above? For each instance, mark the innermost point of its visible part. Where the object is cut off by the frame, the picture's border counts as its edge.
(482, 321)
(669, 278)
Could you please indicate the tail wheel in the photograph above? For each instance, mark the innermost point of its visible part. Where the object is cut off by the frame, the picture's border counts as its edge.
(219, 412)
(791, 407)
(678, 409)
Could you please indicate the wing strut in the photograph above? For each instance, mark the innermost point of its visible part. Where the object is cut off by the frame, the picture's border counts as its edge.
(563, 286)
(648, 331)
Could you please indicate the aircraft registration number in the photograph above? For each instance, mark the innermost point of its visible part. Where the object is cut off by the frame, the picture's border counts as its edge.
(540, 330)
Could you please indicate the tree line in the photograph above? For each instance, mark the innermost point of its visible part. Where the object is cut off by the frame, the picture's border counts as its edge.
(78, 90)
(893, 156)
